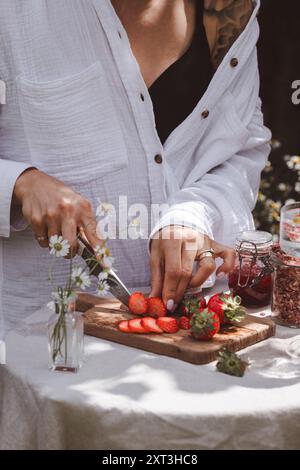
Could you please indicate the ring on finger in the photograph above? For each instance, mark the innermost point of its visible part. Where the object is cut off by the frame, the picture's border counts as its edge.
(209, 253)
(40, 238)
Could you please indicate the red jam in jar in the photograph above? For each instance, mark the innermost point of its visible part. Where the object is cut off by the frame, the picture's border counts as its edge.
(251, 277)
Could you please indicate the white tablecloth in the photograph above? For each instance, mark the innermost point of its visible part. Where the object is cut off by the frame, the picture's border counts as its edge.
(128, 399)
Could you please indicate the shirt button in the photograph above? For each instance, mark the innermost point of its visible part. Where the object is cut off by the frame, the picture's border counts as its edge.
(158, 158)
(205, 113)
(142, 97)
(234, 62)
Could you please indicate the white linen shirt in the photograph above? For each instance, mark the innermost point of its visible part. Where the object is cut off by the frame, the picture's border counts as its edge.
(78, 108)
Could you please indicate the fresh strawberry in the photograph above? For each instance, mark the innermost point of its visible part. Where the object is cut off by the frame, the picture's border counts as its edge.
(202, 303)
(123, 326)
(135, 326)
(184, 323)
(167, 324)
(182, 310)
(150, 324)
(138, 304)
(190, 305)
(227, 307)
(205, 324)
(156, 307)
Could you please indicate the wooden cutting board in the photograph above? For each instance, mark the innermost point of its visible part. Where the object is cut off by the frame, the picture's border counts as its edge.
(101, 317)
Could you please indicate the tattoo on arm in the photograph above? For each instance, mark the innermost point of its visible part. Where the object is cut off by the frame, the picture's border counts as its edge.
(229, 18)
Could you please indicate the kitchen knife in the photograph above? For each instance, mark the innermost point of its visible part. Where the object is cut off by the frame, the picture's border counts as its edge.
(116, 286)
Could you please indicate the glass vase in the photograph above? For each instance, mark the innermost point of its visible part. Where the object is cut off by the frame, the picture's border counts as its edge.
(65, 336)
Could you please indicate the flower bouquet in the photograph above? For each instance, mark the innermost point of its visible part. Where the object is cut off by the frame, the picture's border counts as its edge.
(65, 326)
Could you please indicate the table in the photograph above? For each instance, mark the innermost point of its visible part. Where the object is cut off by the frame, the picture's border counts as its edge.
(128, 399)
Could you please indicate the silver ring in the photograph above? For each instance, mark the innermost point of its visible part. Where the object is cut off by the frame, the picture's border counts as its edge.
(209, 253)
(41, 239)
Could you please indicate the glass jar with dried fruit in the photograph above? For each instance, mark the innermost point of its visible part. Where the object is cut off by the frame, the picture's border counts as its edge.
(251, 277)
(286, 288)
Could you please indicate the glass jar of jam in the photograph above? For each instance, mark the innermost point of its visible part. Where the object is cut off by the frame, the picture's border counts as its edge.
(251, 277)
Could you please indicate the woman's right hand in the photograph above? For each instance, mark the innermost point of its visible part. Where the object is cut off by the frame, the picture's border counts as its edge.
(52, 208)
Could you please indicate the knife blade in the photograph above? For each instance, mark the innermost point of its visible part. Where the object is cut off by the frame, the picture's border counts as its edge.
(117, 287)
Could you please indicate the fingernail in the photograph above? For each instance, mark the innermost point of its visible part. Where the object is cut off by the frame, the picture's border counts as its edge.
(220, 275)
(170, 305)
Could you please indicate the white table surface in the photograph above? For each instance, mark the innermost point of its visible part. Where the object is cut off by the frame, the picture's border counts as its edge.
(124, 398)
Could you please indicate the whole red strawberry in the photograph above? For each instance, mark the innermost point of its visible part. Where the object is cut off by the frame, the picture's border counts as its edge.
(138, 304)
(205, 324)
(227, 307)
(184, 323)
(189, 305)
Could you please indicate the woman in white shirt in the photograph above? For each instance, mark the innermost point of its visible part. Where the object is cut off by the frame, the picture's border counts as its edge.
(79, 128)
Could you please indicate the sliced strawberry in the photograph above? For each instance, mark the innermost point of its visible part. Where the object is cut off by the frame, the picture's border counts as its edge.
(168, 324)
(123, 326)
(150, 324)
(138, 304)
(184, 323)
(156, 307)
(135, 326)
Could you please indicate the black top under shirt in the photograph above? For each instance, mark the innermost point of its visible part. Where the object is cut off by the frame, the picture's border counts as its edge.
(176, 92)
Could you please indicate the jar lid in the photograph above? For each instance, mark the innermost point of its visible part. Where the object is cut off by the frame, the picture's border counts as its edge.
(254, 241)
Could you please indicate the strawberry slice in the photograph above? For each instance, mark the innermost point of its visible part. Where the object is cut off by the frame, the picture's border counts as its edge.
(138, 303)
(150, 324)
(156, 307)
(135, 326)
(168, 324)
(123, 326)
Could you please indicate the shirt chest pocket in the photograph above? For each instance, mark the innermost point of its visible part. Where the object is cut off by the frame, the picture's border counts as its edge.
(72, 126)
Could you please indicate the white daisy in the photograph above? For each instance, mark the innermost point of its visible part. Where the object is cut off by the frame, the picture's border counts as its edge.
(103, 289)
(282, 186)
(100, 251)
(103, 275)
(275, 144)
(58, 246)
(80, 278)
(103, 255)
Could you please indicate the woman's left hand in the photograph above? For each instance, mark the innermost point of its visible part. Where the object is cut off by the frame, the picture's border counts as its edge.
(173, 252)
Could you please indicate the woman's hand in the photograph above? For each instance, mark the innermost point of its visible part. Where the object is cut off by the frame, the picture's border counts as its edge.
(52, 208)
(173, 253)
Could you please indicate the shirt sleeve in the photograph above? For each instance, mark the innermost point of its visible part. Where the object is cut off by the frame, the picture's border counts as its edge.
(10, 220)
(220, 202)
